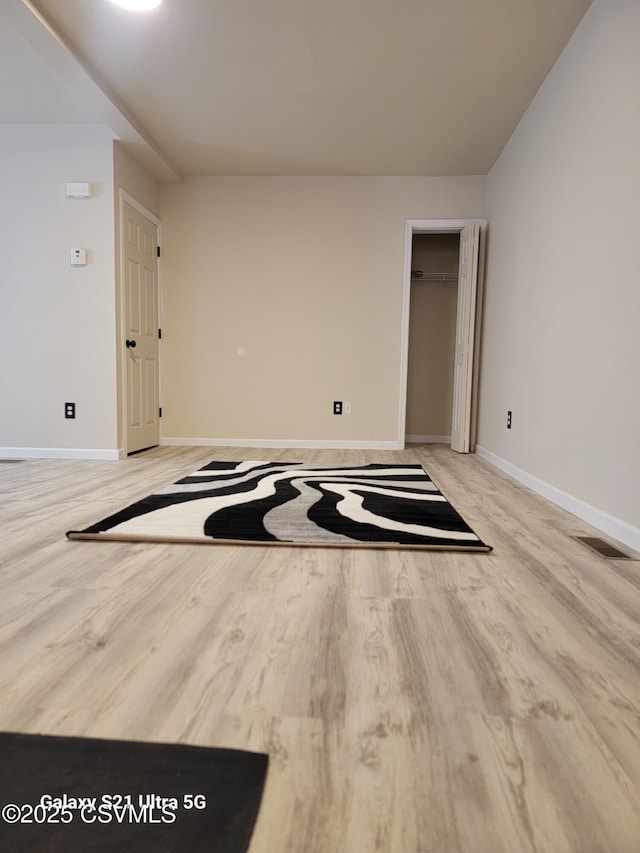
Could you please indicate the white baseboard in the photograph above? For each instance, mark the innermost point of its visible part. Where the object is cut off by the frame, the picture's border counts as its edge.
(58, 453)
(318, 444)
(428, 439)
(614, 527)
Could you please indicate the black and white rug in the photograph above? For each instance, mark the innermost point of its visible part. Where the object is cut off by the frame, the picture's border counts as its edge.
(290, 503)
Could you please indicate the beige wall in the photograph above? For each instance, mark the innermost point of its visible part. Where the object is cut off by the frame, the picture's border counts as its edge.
(432, 338)
(57, 323)
(562, 314)
(307, 275)
(133, 178)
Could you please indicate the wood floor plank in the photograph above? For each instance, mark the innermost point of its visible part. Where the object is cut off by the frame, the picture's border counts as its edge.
(410, 701)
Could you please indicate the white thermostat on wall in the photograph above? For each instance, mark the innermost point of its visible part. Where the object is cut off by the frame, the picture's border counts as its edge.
(77, 190)
(78, 258)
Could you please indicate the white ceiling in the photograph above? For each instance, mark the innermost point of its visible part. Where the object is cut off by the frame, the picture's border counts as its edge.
(27, 86)
(288, 87)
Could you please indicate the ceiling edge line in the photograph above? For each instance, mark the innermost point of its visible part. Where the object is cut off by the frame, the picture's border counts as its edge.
(121, 119)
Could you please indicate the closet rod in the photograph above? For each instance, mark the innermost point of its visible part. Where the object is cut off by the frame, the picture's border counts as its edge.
(436, 276)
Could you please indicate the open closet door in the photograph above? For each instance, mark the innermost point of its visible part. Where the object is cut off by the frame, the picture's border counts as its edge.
(465, 330)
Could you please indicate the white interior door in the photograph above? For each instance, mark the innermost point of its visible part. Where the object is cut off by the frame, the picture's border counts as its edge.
(140, 242)
(465, 331)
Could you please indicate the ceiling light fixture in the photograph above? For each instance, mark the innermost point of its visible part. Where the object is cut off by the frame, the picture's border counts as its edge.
(138, 5)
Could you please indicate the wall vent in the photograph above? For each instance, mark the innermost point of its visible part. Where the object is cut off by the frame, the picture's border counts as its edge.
(605, 549)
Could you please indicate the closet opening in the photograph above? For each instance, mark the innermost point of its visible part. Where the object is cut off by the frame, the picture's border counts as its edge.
(444, 265)
(432, 337)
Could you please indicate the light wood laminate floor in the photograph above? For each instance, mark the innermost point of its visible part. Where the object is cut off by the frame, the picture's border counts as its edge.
(410, 701)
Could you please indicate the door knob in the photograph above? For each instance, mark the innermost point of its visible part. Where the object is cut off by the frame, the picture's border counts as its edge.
(130, 344)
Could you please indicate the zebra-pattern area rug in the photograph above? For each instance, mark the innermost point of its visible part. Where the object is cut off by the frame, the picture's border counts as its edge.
(290, 503)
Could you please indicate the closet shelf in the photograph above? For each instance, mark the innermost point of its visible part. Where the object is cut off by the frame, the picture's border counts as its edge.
(435, 276)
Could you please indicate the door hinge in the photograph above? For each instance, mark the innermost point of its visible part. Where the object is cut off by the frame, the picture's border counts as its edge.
(159, 333)
(158, 249)
(160, 412)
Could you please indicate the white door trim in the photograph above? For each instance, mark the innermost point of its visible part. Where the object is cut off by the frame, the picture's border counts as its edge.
(124, 197)
(433, 226)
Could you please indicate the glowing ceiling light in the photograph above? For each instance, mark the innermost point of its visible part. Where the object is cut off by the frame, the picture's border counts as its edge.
(138, 5)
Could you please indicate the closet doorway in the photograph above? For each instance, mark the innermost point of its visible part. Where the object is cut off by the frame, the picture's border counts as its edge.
(443, 280)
